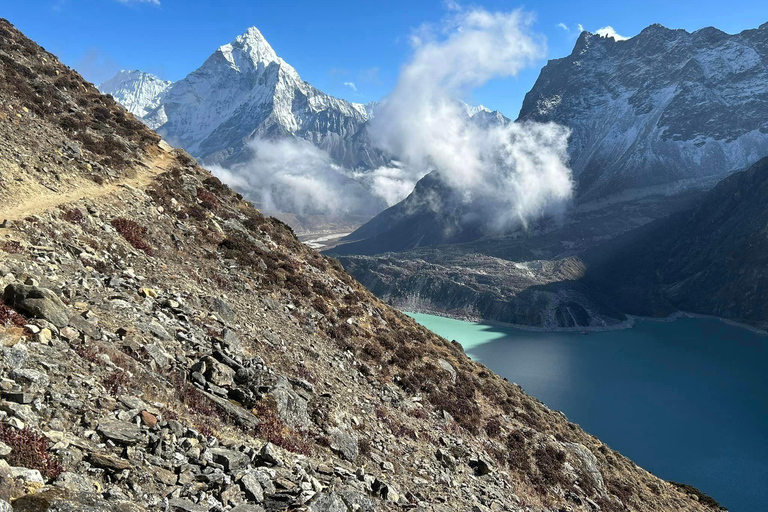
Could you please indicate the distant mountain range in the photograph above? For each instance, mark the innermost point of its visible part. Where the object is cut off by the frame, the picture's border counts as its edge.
(659, 113)
(655, 120)
(243, 92)
(664, 220)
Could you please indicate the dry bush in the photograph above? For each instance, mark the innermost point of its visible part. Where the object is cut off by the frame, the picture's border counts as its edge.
(30, 450)
(271, 428)
(73, 216)
(133, 233)
(12, 247)
(117, 382)
(549, 462)
(208, 200)
(9, 317)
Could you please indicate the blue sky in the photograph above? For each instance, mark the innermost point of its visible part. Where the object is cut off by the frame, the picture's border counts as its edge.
(330, 42)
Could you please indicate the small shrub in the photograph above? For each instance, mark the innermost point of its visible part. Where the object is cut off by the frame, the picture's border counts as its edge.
(207, 199)
(493, 427)
(550, 461)
(133, 233)
(30, 450)
(304, 373)
(88, 352)
(319, 304)
(9, 317)
(703, 498)
(73, 216)
(518, 454)
(117, 382)
(271, 428)
(12, 247)
(364, 447)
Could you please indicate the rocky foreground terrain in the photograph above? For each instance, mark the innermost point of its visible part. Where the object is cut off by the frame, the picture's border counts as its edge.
(164, 346)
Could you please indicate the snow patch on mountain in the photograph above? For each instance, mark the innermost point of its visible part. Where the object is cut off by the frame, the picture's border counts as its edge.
(137, 91)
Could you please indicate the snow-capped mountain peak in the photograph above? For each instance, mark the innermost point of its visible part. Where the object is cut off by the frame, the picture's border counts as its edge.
(472, 110)
(249, 51)
(137, 91)
(244, 90)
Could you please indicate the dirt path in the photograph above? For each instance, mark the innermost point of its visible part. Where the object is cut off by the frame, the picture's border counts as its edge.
(43, 199)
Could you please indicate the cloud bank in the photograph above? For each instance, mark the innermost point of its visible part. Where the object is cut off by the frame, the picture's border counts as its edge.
(292, 175)
(521, 167)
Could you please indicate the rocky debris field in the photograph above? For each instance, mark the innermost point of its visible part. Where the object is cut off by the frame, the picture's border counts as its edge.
(164, 346)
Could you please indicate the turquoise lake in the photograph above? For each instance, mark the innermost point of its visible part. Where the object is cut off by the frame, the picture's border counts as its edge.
(686, 400)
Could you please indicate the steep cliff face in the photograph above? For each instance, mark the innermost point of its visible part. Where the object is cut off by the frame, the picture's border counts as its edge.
(163, 345)
(709, 260)
(662, 112)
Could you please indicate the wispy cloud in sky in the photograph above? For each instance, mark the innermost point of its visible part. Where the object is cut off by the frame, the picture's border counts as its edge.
(153, 2)
(351, 85)
(563, 26)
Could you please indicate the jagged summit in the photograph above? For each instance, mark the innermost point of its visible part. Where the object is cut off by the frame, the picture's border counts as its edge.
(245, 90)
(249, 48)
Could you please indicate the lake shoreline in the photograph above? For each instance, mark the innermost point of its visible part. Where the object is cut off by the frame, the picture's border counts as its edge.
(629, 323)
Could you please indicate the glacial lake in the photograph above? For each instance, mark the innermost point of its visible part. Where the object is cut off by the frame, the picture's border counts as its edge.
(687, 400)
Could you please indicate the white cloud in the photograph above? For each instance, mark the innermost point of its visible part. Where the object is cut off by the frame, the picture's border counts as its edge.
(351, 85)
(564, 27)
(610, 32)
(392, 184)
(580, 27)
(294, 176)
(521, 168)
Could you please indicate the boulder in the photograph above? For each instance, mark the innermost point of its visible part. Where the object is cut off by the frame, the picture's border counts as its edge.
(344, 443)
(252, 487)
(219, 374)
(231, 460)
(37, 302)
(291, 407)
(15, 356)
(120, 431)
(328, 503)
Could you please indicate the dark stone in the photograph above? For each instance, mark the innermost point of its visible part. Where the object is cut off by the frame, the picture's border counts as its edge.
(37, 302)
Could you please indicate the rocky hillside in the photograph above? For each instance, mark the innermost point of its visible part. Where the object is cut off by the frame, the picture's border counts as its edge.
(709, 260)
(659, 113)
(164, 346)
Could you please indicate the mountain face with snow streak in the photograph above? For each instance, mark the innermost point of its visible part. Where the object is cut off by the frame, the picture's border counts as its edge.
(244, 90)
(138, 92)
(662, 112)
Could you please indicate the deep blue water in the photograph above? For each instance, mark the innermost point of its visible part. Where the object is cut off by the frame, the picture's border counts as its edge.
(686, 400)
